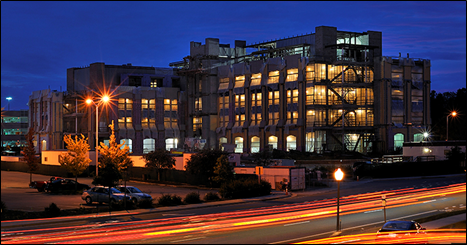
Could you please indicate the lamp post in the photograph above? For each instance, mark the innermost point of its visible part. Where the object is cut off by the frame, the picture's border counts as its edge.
(9, 98)
(338, 175)
(90, 101)
(453, 114)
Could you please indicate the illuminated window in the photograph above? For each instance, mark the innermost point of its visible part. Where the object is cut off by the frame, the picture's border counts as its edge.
(292, 75)
(222, 140)
(314, 141)
(292, 106)
(239, 109)
(255, 79)
(239, 81)
(291, 142)
(320, 72)
(316, 118)
(310, 95)
(398, 141)
(255, 144)
(273, 77)
(256, 108)
(197, 123)
(44, 145)
(156, 82)
(125, 111)
(272, 140)
(320, 95)
(223, 110)
(273, 104)
(224, 83)
(198, 104)
(127, 142)
(170, 113)
(171, 143)
(310, 72)
(149, 145)
(418, 137)
(148, 112)
(239, 145)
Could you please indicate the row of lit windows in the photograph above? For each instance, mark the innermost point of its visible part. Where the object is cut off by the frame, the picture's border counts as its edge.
(15, 131)
(14, 120)
(316, 72)
(148, 107)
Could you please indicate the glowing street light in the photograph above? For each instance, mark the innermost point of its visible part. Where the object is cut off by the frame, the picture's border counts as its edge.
(9, 98)
(89, 101)
(453, 114)
(338, 175)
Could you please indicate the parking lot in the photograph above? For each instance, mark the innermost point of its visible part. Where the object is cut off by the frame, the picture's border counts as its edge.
(17, 195)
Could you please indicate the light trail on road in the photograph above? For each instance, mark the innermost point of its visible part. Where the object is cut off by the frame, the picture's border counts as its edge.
(433, 236)
(127, 231)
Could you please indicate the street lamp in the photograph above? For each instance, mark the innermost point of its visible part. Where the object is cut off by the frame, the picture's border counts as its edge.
(453, 114)
(9, 98)
(89, 101)
(338, 175)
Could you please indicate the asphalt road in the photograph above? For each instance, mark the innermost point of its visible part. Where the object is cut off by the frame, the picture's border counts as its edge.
(17, 195)
(274, 232)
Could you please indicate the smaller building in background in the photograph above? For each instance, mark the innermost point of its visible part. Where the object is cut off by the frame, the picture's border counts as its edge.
(14, 130)
(431, 150)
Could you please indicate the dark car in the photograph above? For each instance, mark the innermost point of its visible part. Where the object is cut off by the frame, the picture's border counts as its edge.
(401, 230)
(64, 185)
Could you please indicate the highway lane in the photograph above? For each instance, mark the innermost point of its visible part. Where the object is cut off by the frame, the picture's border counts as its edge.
(270, 223)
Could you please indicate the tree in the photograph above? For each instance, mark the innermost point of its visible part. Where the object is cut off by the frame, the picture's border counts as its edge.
(262, 158)
(113, 161)
(158, 160)
(223, 170)
(75, 160)
(203, 162)
(29, 153)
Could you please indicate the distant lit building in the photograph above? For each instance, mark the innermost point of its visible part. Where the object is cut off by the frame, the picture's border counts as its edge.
(144, 106)
(14, 128)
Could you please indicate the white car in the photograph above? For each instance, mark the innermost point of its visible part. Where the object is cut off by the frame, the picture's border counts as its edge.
(135, 194)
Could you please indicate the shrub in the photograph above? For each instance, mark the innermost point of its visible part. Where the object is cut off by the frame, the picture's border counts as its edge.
(191, 198)
(52, 210)
(211, 196)
(169, 200)
(145, 203)
(245, 188)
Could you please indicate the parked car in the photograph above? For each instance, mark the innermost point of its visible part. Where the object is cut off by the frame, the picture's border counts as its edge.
(40, 185)
(401, 229)
(64, 185)
(100, 194)
(135, 194)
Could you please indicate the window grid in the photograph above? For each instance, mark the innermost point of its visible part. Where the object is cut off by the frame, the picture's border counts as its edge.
(292, 75)
(170, 113)
(273, 77)
(125, 117)
(256, 101)
(273, 103)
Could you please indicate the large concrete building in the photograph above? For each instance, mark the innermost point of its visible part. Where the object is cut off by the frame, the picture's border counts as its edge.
(328, 90)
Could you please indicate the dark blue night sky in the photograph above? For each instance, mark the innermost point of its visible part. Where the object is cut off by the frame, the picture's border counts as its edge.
(40, 40)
